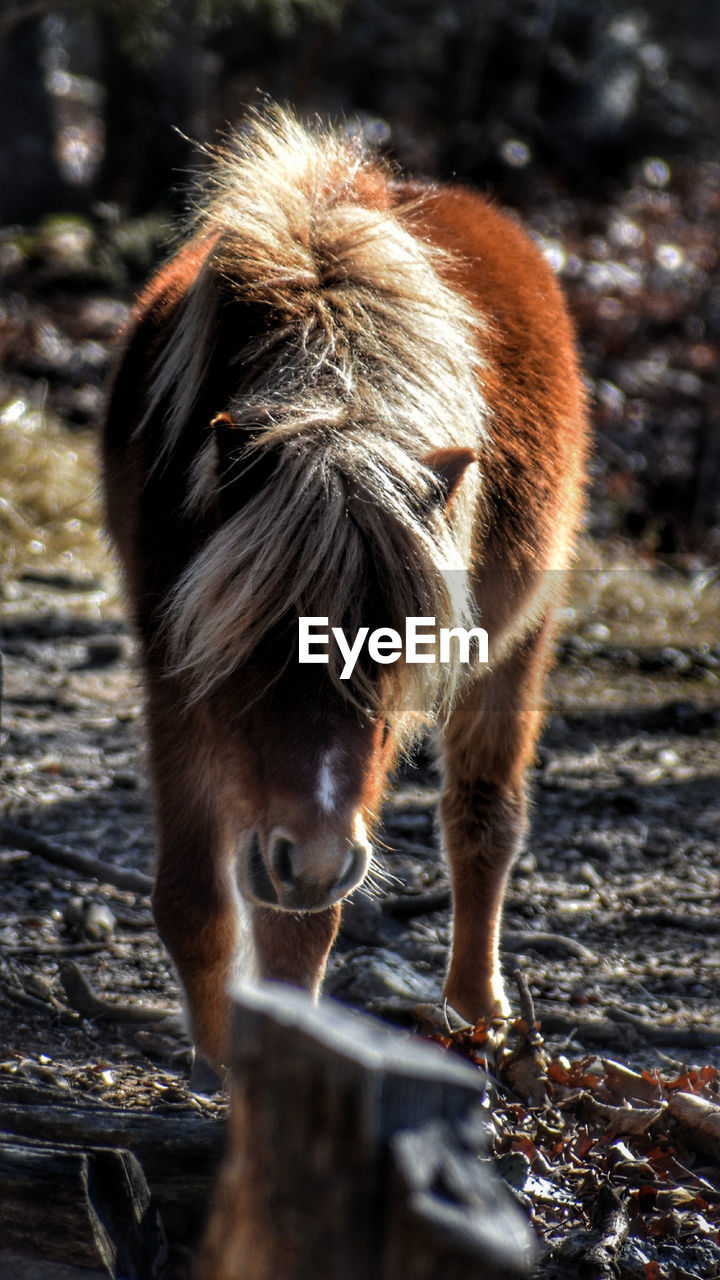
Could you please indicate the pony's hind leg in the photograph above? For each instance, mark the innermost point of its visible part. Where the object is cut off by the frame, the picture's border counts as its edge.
(193, 904)
(488, 743)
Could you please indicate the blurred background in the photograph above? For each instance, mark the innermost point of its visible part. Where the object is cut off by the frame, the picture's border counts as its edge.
(598, 122)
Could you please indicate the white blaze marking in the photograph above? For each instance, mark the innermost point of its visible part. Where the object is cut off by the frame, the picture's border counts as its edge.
(327, 783)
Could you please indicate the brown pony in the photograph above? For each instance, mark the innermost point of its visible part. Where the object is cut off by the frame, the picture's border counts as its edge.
(352, 398)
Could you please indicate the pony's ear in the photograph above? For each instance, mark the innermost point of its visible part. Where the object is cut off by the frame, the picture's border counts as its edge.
(449, 466)
(240, 472)
(230, 438)
(225, 432)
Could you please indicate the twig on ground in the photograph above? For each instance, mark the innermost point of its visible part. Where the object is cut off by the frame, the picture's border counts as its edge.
(524, 1068)
(405, 906)
(416, 904)
(11, 994)
(15, 837)
(83, 999)
(699, 1122)
(516, 940)
(600, 1260)
(527, 1007)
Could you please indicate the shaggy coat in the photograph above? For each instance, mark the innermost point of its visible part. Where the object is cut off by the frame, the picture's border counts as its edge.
(356, 398)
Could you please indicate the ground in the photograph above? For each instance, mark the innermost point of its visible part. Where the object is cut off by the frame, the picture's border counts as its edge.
(611, 912)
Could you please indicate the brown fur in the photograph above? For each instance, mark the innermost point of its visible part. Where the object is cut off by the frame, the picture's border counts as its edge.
(358, 398)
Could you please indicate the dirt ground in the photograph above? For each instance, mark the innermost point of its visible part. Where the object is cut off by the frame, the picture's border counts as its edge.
(612, 912)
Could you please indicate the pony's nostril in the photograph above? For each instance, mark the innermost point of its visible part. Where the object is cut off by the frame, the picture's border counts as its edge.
(258, 880)
(348, 864)
(282, 861)
(354, 866)
(255, 851)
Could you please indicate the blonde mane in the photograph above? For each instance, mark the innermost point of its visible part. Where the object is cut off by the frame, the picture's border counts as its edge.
(368, 361)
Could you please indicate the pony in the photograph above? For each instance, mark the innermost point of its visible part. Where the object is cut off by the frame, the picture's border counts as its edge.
(354, 398)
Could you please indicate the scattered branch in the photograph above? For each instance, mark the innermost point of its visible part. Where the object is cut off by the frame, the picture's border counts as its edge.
(408, 905)
(15, 837)
(517, 940)
(699, 1121)
(527, 1006)
(600, 1260)
(525, 1067)
(83, 999)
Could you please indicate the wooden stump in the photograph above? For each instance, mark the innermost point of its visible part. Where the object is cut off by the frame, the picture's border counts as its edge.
(83, 1185)
(90, 1208)
(355, 1153)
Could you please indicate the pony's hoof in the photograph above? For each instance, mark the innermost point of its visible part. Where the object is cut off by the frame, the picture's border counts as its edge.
(203, 1077)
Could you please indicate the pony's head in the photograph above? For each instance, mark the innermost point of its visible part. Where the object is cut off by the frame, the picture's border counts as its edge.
(310, 745)
(312, 769)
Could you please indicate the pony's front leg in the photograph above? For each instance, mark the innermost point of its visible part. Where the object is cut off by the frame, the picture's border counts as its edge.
(197, 921)
(489, 741)
(294, 947)
(193, 903)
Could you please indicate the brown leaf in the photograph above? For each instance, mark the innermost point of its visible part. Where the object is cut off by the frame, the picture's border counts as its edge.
(572, 1075)
(628, 1084)
(622, 1120)
(525, 1073)
(694, 1080)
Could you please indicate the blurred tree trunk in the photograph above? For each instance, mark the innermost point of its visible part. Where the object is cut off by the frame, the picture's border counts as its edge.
(147, 101)
(30, 179)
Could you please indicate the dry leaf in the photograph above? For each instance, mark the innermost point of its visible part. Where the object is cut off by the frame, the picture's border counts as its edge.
(622, 1120)
(628, 1084)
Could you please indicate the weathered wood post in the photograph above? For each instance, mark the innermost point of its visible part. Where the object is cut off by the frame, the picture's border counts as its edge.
(84, 1185)
(355, 1153)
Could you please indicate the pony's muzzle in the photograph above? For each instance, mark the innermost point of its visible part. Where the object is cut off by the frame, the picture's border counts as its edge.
(308, 876)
